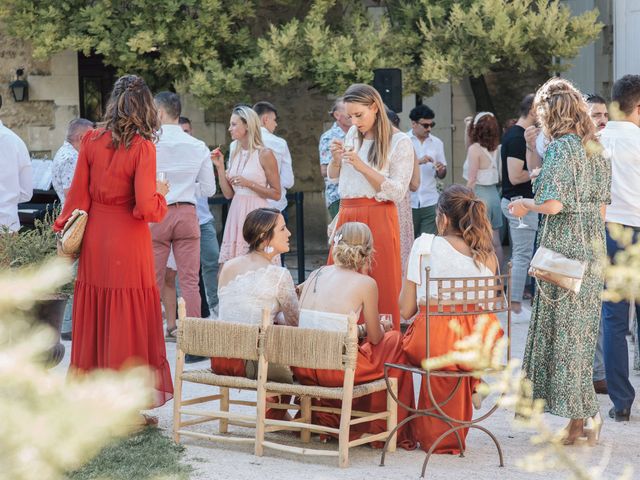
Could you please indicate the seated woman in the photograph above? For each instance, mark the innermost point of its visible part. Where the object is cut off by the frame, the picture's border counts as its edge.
(462, 249)
(251, 282)
(326, 299)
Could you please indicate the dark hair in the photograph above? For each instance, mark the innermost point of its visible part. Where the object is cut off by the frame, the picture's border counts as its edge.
(259, 225)
(393, 117)
(130, 111)
(594, 98)
(468, 216)
(170, 102)
(626, 91)
(486, 132)
(264, 107)
(526, 104)
(421, 111)
(184, 121)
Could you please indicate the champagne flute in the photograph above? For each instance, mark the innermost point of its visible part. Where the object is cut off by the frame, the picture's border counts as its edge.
(521, 224)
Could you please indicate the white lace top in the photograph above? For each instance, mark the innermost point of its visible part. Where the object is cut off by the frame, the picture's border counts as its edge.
(485, 176)
(243, 298)
(397, 172)
(444, 260)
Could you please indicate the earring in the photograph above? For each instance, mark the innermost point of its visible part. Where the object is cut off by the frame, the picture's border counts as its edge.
(268, 249)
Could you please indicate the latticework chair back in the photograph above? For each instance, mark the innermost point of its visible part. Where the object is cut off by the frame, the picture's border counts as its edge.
(216, 338)
(311, 348)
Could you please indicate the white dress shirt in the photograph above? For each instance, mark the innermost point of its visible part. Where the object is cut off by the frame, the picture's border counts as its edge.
(280, 149)
(397, 171)
(621, 141)
(16, 178)
(427, 194)
(63, 168)
(187, 163)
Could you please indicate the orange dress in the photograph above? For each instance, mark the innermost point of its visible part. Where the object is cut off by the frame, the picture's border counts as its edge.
(442, 339)
(369, 367)
(117, 321)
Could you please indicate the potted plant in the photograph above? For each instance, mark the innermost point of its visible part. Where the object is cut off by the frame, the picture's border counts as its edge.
(31, 247)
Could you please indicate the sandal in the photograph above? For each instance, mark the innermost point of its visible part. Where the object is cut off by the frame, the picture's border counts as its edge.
(171, 334)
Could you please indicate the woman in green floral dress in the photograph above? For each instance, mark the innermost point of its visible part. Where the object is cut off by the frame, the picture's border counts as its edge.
(558, 358)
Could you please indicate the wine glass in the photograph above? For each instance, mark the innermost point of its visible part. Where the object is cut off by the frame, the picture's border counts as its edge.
(521, 224)
(386, 318)
(161, 176)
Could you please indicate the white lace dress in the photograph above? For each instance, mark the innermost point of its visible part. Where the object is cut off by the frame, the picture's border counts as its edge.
(243, 298)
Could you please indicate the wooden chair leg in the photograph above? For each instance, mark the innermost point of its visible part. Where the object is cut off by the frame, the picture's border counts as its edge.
(223, 426)
(305, 406)
(392, 408)
(177, 395)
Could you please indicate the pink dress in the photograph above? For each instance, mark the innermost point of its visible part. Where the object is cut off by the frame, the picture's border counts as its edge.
(244, 201)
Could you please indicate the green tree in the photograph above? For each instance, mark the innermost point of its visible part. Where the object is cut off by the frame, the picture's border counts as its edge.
(218, 49)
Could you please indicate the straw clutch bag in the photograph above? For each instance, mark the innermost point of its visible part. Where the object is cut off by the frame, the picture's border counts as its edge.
(70, 239)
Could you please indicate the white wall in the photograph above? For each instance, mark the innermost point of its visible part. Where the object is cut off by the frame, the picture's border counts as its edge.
(626, 58)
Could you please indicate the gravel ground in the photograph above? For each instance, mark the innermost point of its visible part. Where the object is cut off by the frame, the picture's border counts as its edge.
(619, 446)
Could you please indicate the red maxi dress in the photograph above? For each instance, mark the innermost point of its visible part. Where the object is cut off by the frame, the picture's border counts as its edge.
(117, 321)
(360, 202)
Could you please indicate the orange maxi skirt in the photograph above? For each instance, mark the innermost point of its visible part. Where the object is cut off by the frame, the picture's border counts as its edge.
(442, 338)
(382, 219)
(370, 367)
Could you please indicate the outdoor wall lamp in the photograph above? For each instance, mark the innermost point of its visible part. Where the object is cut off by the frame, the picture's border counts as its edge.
(19, 88)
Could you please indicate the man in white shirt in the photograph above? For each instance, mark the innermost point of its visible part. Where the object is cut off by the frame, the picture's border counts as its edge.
(621, 140)
(278, 145)
(65, 159)
(186, 163)
(16, 178)
(433, 164)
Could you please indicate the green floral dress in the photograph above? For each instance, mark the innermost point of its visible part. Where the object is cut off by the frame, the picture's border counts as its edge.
(558, 357)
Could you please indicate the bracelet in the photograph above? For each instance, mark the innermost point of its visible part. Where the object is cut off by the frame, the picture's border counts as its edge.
(362, 330)
(530, 149)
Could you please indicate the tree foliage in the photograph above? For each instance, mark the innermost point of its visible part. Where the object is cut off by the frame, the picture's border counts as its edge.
(216, 49)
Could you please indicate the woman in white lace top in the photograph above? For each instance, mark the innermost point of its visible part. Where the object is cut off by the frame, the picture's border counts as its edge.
(251, 282)
(373, 167)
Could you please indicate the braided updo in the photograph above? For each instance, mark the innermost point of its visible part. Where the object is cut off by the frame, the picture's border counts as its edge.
(353, 246)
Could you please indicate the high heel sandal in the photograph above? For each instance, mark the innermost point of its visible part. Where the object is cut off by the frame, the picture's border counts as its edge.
(592, 428)
(573, 434)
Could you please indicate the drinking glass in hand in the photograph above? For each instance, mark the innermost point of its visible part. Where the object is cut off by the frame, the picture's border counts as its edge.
(161, 176)
(521, 224)
(386, 320)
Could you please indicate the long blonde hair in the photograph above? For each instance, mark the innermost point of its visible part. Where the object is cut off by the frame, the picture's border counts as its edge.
(562, 109)
(367, 95)
(251, 120)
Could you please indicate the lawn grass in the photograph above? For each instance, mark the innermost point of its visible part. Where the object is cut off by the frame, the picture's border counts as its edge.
(146, 455)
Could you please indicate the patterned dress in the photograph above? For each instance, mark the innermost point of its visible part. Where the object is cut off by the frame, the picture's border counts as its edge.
(558, 357)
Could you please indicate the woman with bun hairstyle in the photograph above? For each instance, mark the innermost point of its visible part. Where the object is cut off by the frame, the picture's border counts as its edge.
(374, 166)
(328, 296)
(462, 248)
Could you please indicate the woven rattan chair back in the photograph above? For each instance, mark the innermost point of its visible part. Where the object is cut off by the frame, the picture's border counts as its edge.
(216, 338)
(311, 348)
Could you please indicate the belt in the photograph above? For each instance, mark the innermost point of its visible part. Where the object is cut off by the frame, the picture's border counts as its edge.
(177, 204)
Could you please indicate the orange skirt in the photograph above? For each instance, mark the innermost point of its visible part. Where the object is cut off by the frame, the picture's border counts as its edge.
(370, 367)
(382, 219)
(427, 429)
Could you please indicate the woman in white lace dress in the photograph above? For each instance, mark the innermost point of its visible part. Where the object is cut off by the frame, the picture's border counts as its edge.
(373, 166)
(252, 282)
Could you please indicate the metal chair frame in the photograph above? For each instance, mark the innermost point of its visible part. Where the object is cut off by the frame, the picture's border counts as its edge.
(471, 305)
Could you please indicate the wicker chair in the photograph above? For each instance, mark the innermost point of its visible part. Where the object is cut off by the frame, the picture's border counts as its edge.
(492, 291)
(320, 349)
(209, 338)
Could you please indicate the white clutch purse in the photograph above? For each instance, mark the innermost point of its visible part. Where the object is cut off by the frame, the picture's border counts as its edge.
(553, 267)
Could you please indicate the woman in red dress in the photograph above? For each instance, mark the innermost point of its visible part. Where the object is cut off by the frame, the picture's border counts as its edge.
(373, 166)
(117, 321)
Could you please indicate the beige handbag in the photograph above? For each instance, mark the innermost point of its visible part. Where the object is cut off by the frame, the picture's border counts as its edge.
(70, 238)
(554, 267)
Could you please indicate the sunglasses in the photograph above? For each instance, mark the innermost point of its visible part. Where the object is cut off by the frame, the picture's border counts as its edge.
(427, 125)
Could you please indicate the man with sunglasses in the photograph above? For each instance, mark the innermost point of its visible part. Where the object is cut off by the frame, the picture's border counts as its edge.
(430, 152)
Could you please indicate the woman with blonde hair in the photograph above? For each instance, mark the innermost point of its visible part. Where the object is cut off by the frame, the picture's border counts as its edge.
(481, 169)
(251, 179)
(571, 191)
(117, 320)
(329, 295)
(374, 166)
(463, 248)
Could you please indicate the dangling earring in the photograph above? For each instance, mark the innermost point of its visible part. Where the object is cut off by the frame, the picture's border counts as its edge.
(268, 249)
